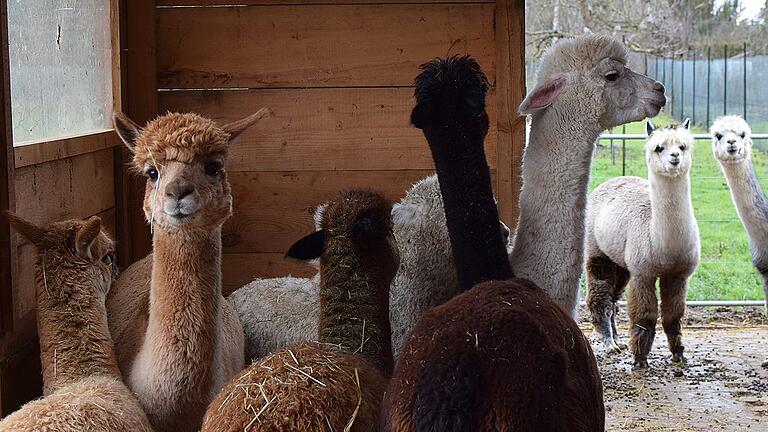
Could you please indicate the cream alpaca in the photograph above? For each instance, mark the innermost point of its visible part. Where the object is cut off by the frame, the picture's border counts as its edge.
(82, 384)
(732, 146)
(177, 339)
(586, 88)
(637, 231)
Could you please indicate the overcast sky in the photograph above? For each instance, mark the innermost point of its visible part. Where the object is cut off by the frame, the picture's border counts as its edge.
(750, 8)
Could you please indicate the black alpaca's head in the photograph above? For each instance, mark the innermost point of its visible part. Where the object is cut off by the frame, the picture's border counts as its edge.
(450, 92)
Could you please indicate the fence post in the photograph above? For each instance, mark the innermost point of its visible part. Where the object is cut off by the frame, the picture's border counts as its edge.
(682, 87)
(709, 83)
(693, 114)
(744, 83)
(725, 80)
(672, 83)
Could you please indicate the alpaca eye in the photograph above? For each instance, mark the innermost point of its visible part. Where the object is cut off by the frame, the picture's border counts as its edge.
(659, 149)
(612, 76)
(213, 169)
(108, 259)
(718, 136)
(152, 173)
(743, 134)
(683, 148)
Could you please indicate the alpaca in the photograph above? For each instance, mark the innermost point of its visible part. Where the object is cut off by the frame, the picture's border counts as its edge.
(279, 312)
(338, 383)
(501, 355)
(732, 147)
(591, 90)
(637, 231)
(177, 340)
(82, 385)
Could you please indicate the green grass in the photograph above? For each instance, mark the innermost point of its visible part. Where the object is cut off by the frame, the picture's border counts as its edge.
(726, 271)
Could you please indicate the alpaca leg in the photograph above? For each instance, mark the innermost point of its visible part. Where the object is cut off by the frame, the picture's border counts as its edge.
(672, 310)
(643, 312)
(601, 298)
(622, 277)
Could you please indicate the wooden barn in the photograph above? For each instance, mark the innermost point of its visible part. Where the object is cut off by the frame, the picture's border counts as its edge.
(338, 76)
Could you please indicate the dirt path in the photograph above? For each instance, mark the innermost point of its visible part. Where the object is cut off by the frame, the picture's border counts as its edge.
(722, 388)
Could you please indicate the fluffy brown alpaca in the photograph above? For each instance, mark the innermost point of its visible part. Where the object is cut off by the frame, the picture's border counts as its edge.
(177, 339)
(82, 384)
(336, 384)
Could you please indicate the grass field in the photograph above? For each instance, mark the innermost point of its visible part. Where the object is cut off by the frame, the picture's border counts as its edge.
(725, 272)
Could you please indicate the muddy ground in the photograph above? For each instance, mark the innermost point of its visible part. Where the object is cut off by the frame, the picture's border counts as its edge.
(722, 388)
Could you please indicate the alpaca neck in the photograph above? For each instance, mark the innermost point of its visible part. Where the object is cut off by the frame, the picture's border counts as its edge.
(354, 303)
(672, 214)
(749, 199)
(184, 305)
(75, 342)
(549, 240)
(470, 210)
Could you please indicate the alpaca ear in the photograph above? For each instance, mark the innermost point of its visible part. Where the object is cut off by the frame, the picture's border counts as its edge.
(27, 229)
(309, 247)
(404, 214)
(686, 124)
(126, 129)
(239, 126)
(649, 127)
(542, 96)
(317, 215)
(86, 236)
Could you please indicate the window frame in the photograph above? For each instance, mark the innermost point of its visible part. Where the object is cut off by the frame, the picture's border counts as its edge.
(57, 148)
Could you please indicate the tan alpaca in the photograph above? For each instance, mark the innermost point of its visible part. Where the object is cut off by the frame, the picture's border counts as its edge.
(82, 385)
(177, 339)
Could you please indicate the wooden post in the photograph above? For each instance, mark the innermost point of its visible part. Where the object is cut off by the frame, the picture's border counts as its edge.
(139, 101)
(510, 91)
(6, 177)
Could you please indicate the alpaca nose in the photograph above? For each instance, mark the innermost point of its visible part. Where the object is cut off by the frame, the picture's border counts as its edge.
(731, 141)
(658, 86)
(179, 190)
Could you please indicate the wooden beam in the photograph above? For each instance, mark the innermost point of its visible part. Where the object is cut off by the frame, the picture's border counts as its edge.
(510, 91)
(139, 101)
(6, 176)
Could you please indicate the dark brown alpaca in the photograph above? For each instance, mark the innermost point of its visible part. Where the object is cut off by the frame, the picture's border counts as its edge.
(500, 356)
(336, 384)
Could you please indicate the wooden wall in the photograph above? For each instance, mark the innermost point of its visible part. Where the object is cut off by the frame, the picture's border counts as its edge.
(338, 76)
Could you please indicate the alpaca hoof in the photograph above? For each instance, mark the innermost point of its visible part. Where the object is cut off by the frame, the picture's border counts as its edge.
(679, 358)
(621, 346)
(640, 363)
(613, 348)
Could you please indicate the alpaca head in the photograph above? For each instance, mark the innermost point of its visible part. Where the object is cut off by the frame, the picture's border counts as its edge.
(73, 252)
(360, 217)
(449, 93)
(731, 139)
(183, 156)
(668, 150)
(588, 76)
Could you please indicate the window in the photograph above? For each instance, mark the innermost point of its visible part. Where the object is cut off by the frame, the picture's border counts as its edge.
(61, 68)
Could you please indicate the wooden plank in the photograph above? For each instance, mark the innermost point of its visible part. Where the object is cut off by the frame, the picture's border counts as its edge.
(510, 82)
(6, 180)
(274, 209)
(207, 3)
(321, 129)
(139, 97)
(62, 148)
(239, 269)
(316, 46)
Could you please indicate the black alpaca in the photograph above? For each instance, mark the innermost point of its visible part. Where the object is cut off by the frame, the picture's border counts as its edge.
(500, 356)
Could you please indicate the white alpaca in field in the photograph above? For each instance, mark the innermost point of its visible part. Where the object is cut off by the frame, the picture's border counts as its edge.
(732, 146)
(637, 231)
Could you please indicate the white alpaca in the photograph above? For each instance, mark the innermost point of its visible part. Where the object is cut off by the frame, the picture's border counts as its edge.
(732, 146)
(582, 90)
(637, 231)
(279, 312)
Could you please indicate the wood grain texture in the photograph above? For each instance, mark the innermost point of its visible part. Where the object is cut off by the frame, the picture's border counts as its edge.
(240, 269)
(510, 85)
(204, 3)
(6, 180)
(62, 148)
(321, 129)
(316, 46)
